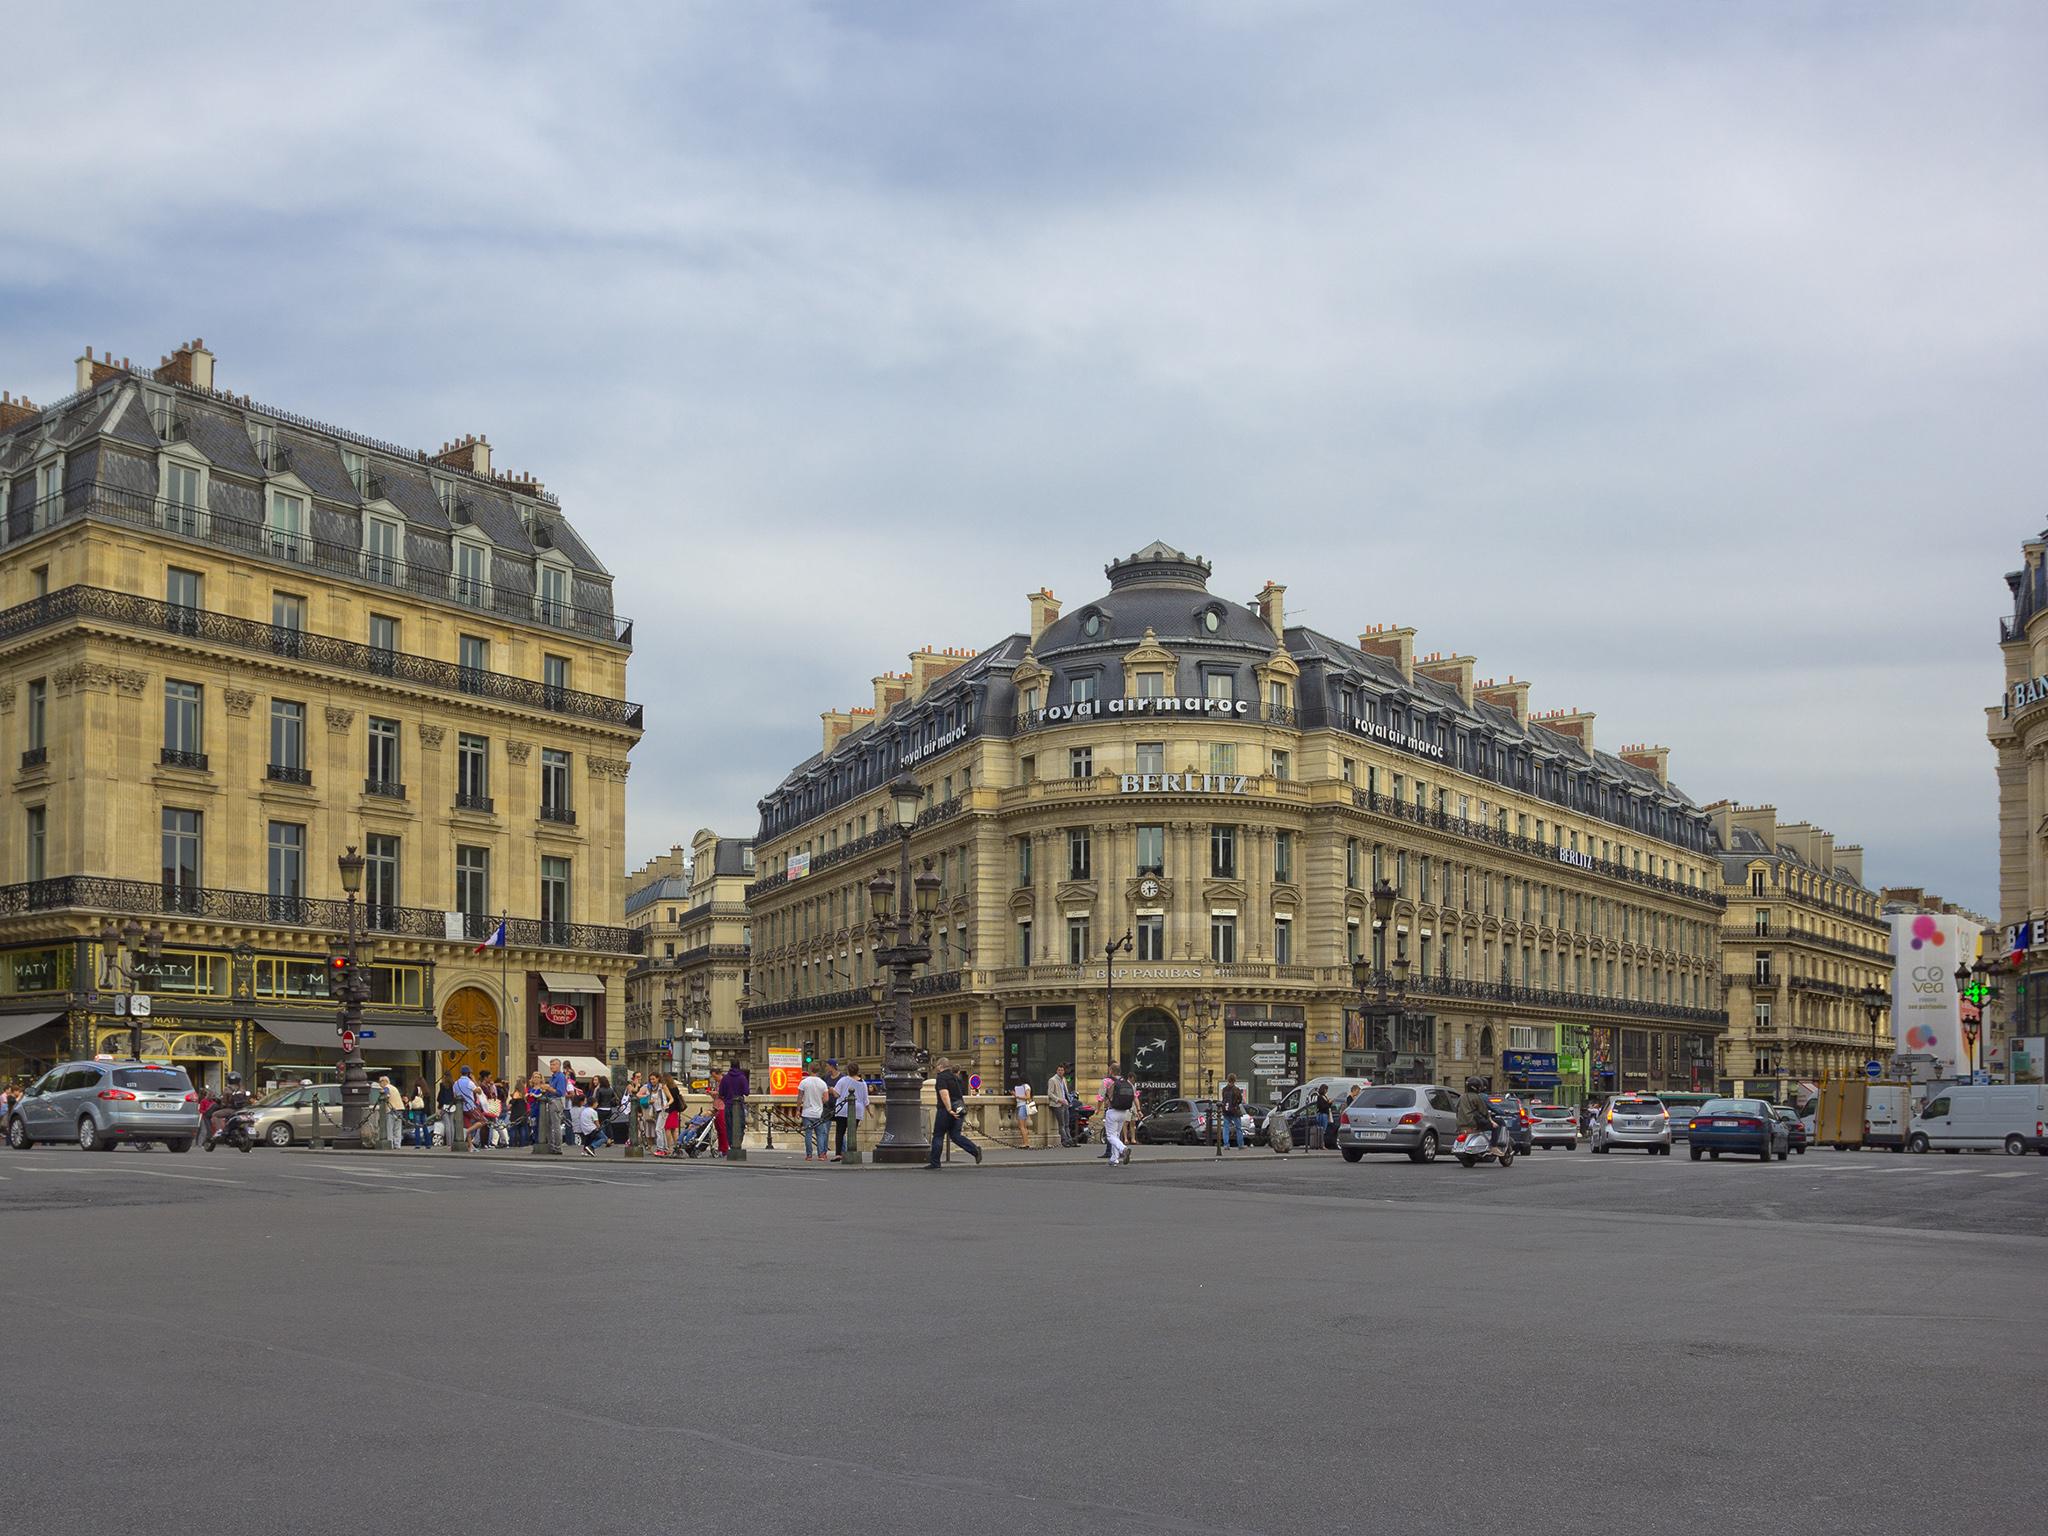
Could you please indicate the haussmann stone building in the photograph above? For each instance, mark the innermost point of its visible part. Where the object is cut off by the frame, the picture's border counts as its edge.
(1229, 791)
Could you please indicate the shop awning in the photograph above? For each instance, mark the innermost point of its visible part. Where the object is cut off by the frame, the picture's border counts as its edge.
(576, 1066)
(571, 981)
(317, 1035)
(1811, 1090)
(13, 1024)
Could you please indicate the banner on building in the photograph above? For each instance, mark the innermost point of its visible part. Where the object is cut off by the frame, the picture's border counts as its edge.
(1926, 1016)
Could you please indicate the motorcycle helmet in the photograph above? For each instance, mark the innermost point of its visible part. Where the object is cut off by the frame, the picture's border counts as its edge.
(234, 1079)
(1475, 1085)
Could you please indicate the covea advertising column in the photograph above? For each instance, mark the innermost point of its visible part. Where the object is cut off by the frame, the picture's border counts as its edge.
(1926, 948)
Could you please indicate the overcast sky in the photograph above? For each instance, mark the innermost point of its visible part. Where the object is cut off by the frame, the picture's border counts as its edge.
(1683, 359)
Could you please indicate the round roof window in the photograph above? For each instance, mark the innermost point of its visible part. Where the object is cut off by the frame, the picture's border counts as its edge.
(1211, 620)
(1092, 625)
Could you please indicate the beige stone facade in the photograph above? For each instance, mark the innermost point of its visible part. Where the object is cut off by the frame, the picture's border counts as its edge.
(2018, 729)
(234, 644)
(1806, 951)
(692, 914)
(1228, 790)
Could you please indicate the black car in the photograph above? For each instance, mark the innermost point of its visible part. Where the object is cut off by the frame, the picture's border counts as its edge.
(1520, 1123)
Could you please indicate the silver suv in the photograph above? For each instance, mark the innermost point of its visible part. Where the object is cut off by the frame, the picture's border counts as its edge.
(1413, 1118)
(100, 1104)
(1633, 1120)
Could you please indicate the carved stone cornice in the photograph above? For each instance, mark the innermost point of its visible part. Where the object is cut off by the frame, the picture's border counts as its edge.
(238, 700)
(430, 735)
(339, 719)
(95, 677)
(518, 751)
(610, 767)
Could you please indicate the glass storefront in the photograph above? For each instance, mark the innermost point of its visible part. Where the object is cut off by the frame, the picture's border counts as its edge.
(1391, 1047)
(1148, 1045)
(205, 1054)
(1036, 1040)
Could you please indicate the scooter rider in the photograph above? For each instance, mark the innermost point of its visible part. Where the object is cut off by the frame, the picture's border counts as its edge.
(233, 1100)
(1475, 1113)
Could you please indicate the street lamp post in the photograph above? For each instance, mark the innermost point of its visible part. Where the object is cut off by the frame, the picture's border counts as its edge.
(1207, 1013)
(902, 910)
(1109, 954)
(355, 1082)
(127, 954)
(1376, 987)
(1875, 1000)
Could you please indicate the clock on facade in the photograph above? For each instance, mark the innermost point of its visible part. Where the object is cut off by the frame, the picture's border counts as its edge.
(1148, 888)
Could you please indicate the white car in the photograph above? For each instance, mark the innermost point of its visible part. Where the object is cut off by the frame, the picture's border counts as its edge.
(1633, 1120)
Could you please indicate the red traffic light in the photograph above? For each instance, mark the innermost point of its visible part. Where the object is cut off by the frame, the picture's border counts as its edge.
(337, 962)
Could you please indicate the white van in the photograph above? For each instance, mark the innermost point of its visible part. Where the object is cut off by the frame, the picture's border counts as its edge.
(2009, 1115)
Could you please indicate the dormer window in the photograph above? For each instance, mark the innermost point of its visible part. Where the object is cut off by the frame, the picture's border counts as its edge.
(1151, 685)
(358, 472)
(1091, 626)
(472, 576)
(284, 525)
(551, 600)
(49, 491)
(383, 549)
(1210, 620)
(1081, 690)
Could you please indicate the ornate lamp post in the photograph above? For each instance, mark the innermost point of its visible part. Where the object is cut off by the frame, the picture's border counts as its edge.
(1109, 954)
(1875, 1001)
(902, 909)
(1379, 988)
(127, 956)
(1208, 1013)
(355, 1082)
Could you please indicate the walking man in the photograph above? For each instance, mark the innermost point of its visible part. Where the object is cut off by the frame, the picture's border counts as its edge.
(1233, 1112)
(811, 1094)
(1119, 1100)
(1058, 1094)
(950, 1095)
(558, 1091)
(849, 1103)
(732, 1093)
(465, 1101)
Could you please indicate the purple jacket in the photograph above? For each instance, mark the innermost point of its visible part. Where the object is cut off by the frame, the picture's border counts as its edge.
(733, 1085)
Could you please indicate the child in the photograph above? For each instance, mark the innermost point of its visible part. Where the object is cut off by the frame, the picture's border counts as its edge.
(583, 1121)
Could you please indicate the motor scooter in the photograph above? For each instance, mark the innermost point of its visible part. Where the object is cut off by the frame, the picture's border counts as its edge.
(1475, 1147)
(239, 1132)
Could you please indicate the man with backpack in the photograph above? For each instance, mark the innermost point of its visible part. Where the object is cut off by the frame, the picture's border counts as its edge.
(1230, 1130)
(1119, 1099)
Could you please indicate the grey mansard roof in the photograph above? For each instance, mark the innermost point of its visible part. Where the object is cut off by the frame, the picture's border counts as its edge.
(1165, 591)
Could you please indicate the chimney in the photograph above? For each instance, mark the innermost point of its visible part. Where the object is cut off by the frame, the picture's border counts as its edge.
(191, 364)
(1508, 695)
(837, 723)
(1454, 670)
(1760, 819)
(470, 453)
(1394, 643)
(1650, 760)
(1045, 611)
(891, 689)
(1721, 817)
(1824, 850)
(1572, 724)
(93, 370)
(1272, 605)
(13, 411)
(1799, 837)
(927, 666)
(1849, 862)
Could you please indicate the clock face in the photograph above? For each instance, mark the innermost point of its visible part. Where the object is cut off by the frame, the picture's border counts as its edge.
(1149, 888)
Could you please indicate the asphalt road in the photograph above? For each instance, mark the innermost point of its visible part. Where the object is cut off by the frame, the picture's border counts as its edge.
(342, 1342)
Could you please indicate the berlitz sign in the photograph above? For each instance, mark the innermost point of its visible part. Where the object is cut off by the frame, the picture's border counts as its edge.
(1575, 858)
(1089, 709)
(1182, 784)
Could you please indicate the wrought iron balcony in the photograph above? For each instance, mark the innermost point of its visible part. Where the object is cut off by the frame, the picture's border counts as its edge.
(93, 893)
(481, 803)
(560, 813)
(34, 757)
(227, 633)
(284, 773)
(171, 757)
(385, 788)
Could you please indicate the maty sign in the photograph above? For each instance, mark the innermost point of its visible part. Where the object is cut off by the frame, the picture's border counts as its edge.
(558, 1013)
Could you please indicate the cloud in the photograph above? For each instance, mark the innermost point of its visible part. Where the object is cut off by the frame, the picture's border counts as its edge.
(1683, 359)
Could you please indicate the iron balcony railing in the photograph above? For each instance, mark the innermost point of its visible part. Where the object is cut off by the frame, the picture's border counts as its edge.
(560, 813)
(384, 789)
(98, 603)
(34, 757)
(1458, 826)
(847, 997)
(467, 802)
(287, 773)
(138, 509)
(94, 893)
(172, 757)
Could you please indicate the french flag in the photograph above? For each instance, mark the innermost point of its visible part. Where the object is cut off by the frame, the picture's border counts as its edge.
(495, 941)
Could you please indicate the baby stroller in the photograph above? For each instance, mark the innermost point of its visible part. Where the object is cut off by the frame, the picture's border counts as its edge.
(698, 1134)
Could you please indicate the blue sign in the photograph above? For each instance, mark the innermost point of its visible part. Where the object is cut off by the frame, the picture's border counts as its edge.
(1536, 1068)
(1873, 1069)
(1981, 1078)
(366, 1034)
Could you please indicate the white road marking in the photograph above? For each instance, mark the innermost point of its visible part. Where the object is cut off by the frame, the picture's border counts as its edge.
(315, 1178)
(2017, 1173)
(386, 1173)
(190, 1178)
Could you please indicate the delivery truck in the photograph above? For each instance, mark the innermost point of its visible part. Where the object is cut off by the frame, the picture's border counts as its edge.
(1862, 1112)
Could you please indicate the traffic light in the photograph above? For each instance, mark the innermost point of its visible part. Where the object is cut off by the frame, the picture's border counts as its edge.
(810, 1053)
(337, 973)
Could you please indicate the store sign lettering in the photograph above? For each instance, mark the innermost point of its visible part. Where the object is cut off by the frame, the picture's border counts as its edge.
(1576, 859)
(563, 1014)
(1372, 730)
(1182, 783)
(2028, 690)
(1089, 709)
(952, 738)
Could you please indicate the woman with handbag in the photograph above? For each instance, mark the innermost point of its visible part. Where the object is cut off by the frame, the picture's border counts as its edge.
(672, 1111)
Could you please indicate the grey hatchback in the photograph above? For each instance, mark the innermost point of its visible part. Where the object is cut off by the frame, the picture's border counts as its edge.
(100, 1104)
(1414, 1118)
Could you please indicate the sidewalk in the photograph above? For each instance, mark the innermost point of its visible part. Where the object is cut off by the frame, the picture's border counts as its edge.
(786, 1156)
